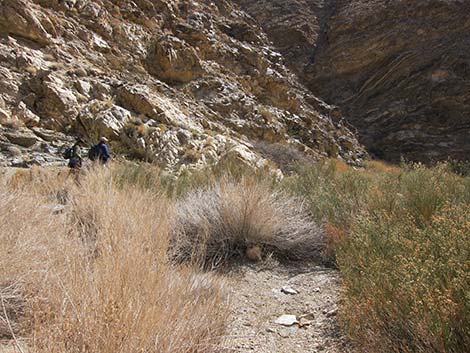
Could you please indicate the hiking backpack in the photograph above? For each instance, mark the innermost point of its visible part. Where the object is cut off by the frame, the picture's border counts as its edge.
(94, 153)
(68, 153)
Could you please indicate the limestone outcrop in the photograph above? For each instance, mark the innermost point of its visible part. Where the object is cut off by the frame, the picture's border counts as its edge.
(183, 83)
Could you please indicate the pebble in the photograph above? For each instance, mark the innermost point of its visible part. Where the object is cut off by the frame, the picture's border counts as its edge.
(286, 320)
(331, 313)
(289, 290)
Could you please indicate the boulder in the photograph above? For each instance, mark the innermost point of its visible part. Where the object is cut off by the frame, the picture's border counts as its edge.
(27, 116)
(286, 320)
(100, 118)
(173, 60)
(21, 19)
(139, 99)
(48, 135)
(142, 100)
(23, 138)
(54, 101)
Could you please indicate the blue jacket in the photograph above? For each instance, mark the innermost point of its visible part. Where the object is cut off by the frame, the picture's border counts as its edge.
(104, 153)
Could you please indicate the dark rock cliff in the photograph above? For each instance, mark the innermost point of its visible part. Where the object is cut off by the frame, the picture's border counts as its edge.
(399, 70)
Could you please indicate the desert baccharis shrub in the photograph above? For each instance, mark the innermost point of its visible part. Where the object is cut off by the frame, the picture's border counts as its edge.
(142, 175)
(222, 221)
(402, 236)
(96, 276)
(407, 287)
(424, 191)
(332, 196)
(336, 197)
(402, 242)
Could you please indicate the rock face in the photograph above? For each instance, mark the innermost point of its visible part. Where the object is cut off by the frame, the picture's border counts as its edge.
(399, 70)
(182, 83)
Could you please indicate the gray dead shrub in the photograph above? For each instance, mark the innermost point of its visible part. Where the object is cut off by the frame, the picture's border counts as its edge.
(216, 224)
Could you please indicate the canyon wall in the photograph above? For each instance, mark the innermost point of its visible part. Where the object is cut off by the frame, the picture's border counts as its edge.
(399, 70)
(180, 83)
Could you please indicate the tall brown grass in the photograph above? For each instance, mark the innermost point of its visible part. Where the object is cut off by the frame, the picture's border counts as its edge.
(95, 275)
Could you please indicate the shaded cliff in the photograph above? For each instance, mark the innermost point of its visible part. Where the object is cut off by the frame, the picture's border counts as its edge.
(399, 70)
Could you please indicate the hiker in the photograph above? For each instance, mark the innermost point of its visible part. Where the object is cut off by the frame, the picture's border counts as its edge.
(73, 154)
(100, 152)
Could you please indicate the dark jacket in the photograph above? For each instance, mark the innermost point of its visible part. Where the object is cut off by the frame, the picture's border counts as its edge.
(104, 154)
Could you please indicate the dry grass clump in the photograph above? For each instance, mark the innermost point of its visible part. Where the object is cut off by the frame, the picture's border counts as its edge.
(28, 238)
(96, 277)
(220, 222)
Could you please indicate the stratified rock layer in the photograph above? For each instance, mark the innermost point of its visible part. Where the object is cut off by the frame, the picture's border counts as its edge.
(176, 82)
(399, 70)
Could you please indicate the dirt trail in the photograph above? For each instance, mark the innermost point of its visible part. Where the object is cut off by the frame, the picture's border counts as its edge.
(257, 302)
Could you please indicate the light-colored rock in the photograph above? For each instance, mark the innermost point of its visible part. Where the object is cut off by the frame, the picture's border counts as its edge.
(54, 101)
(102, 119)
(24, 138)
(48, 135)
(289, 290)
(286, 320)
(331, 313)
(201, 77)
(304, 322)
(26, 116)
(84, 87)
(20, 17)
(173, 60)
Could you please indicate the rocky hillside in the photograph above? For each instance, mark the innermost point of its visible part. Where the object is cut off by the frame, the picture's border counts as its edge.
(177, 82)
(399, 70)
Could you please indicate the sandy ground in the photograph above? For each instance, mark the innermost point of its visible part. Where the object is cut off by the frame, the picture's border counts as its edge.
(257, 301)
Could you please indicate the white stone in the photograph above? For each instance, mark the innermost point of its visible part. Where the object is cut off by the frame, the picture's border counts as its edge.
(289, 290)
(286, 320)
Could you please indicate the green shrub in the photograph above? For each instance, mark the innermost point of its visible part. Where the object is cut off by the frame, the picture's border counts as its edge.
(401, 237)
(407, 287)
(333, 196)
(142, 175)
